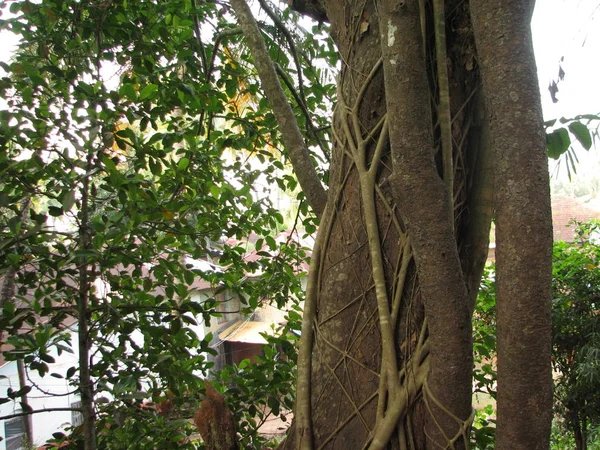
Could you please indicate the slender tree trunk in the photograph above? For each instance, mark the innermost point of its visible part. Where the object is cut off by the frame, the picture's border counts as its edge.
(86, 386)
(584, 434)
(291, 134)
(523, 220)
(27, 422)
(578, 429)
(579, 443)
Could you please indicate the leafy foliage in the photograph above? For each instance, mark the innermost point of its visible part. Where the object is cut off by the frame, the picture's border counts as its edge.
(262, 390)
(484, 371)
(135, 143)
(578, 129)
(576, 335)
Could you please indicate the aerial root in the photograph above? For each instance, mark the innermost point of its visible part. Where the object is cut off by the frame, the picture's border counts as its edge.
(464, 426)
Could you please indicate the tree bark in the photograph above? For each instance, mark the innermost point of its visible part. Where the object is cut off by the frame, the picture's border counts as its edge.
(422, 198)
(390, 380)
(391, 256)
(578, 427)
(523, 222)
(7, 294)
(86, 383)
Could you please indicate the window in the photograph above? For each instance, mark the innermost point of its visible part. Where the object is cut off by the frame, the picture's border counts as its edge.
(14, 432)
(76, 416)
(228, 306)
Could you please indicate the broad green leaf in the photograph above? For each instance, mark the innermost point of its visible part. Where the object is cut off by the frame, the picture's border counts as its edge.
(68, 200)
(557, 142)
(189, 277)
(582, 133)
(215, 191)
(271, 242)
(149, 92)
(55, 211)
(183, 163)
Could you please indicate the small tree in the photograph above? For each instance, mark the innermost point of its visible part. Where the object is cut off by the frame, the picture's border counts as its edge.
(112, 186)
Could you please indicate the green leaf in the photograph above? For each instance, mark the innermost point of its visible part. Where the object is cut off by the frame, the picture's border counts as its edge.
(189, 277)
(155, 167)
(582, 133)
(55, 211)
(557, 142)
(273, 403)
(271, 242)
(176, 325)
(183, 163)
(230, 88)
(4, 199)
(149, 92)
(128, 91)
(46, 358)
(21, 392)
(15, 7)
(215, 191)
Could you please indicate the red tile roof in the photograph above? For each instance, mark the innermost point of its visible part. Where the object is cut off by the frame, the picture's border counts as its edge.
(565, 210)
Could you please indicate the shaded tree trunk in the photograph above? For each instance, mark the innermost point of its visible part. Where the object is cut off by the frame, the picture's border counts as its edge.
(86, 383)
(7, 294)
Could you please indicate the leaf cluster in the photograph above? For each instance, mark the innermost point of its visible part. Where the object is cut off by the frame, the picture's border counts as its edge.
(576, 325)
(578, 129)
(135, 143)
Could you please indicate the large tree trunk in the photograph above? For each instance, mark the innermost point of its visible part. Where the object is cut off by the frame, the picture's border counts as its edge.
(523, 222)
(391, 358)
(385, 358)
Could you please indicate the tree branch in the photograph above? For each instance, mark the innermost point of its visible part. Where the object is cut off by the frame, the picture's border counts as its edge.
(292, 137)
(218, 38)
(28, 413)
(290, 40)
(303, 107)
(200, 43)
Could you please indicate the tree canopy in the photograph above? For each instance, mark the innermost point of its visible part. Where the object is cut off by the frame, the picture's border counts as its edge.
(136, 141)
